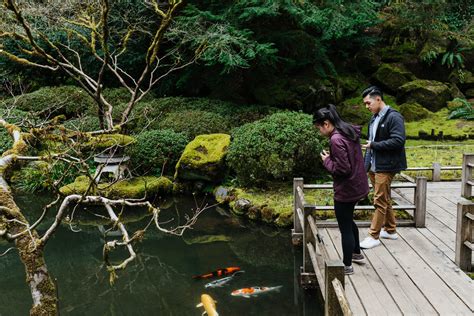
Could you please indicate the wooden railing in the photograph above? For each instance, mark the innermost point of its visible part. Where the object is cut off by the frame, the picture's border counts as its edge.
(465, 217)
(319, 270)
(435, 169)
(467, 182)
(419, 206)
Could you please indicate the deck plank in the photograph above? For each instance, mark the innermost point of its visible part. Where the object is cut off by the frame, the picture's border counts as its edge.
(407, 295)
(354, 301)
(368, 286)
(452, 276)
(443, 299)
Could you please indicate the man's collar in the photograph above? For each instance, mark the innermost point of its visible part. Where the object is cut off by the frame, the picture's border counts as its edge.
(383, 111)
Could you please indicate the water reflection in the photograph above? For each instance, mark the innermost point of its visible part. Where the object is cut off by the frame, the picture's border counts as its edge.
(159, 282)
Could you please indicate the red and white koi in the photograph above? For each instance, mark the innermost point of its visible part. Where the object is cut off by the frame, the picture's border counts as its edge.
(255, 291)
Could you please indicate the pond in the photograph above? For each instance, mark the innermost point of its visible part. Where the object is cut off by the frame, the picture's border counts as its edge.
(160, 281)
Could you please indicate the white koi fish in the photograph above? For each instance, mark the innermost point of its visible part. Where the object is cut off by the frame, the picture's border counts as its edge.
(255, 290)
(221, 282)
(209, 305)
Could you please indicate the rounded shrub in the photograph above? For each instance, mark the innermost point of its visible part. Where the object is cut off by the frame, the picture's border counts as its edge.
(6, 141)
(155, 149)
(278, 147)
(195, 122)
(83, 124)
(50, 101)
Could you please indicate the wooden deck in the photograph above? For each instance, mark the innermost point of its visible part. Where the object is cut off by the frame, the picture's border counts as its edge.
(415, 274)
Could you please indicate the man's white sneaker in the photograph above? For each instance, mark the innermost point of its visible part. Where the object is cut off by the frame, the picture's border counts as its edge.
(384, 234)
(369, 242)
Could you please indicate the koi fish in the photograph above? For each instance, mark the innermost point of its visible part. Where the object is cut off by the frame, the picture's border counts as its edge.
(255, 291)
(209, 305)
(217, 273)
(223, 281)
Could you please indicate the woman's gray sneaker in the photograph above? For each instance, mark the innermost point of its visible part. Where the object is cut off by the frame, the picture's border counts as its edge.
(358, 258)
(348, 270)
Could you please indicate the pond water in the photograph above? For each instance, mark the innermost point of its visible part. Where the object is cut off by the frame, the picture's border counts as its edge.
(160, 281)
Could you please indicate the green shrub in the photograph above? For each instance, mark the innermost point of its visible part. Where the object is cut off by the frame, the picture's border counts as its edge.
(51, 101)
(83, 124)
(149, 114)
(12, 116)
(155, 149)
(194, 122)
(6, 141)
(42, 176)
(278, 147)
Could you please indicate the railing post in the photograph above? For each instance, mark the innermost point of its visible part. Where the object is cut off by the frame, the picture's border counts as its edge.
(466, 175)
(436, 172)
(463, 256)
(333, 269)
(420, 202)
(297, 231)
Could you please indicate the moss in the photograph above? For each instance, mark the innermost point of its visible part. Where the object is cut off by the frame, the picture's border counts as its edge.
(392, 76)
(203, 158)
(433, 95)
(413, 112)
(398, 53)
(422, 154)
(438, 122)
(108, 140)
(353, 110)
(138, 187)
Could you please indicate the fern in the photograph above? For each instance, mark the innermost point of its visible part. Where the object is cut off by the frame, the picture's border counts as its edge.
(464, 111)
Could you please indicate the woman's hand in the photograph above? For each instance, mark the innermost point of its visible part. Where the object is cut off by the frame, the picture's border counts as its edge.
(324, 155)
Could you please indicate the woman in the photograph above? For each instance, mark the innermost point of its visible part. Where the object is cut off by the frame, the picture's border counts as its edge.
(346, 165)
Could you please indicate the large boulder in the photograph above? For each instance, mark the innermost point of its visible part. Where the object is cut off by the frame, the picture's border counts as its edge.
(203, 158)
(354, 111)
(392, 76)
(413, 112)
(433, 95)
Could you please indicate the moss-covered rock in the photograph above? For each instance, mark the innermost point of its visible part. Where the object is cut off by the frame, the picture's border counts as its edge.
(353, 110)
(470, 93)
(464, 79)
(392, 76)
(398, 53)
(203, 158)
(413, 112)
(431, 94)
(434, 46)
(134, 188)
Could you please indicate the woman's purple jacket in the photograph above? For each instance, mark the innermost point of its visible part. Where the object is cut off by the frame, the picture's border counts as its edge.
(346, 165)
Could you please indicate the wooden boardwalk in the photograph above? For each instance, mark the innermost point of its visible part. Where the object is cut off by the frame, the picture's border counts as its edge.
(416, 274)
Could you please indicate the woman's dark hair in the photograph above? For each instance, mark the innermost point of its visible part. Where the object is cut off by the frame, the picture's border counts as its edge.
(329, 113)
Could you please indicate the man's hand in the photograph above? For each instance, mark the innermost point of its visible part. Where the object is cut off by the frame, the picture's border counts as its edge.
(324, 155)
(367, 145)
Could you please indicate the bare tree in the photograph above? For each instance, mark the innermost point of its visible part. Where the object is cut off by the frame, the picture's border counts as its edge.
(16, 228)
(28, 24)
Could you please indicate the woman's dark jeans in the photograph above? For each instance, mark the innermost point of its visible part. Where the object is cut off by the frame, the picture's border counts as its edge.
(349, 231)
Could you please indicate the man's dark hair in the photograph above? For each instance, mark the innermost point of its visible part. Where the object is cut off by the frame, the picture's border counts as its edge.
(372, 92)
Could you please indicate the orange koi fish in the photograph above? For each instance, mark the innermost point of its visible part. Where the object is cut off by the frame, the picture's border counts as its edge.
(217, 273)
(255, 291)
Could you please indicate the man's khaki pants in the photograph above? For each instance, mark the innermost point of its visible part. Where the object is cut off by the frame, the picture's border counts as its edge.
(383, 216)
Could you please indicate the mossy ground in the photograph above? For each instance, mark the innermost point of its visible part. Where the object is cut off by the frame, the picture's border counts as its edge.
(422, 153)
(454, 129)
(278, 198)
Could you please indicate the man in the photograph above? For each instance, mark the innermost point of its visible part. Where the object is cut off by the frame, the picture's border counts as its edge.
(384, 157)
